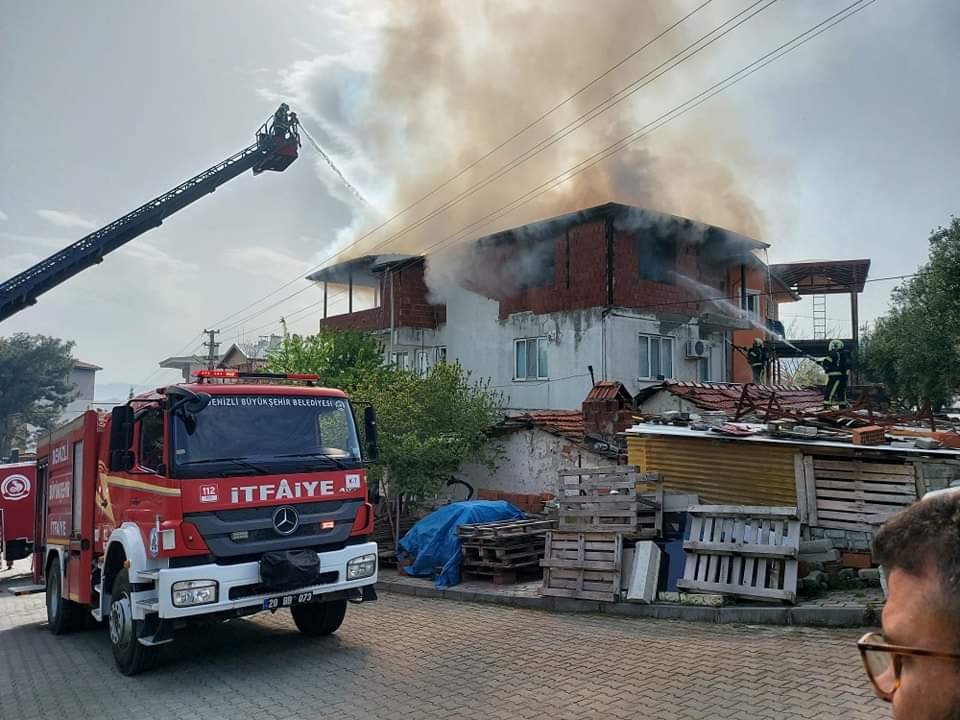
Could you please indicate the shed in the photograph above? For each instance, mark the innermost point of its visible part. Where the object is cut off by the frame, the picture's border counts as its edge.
(842, 491)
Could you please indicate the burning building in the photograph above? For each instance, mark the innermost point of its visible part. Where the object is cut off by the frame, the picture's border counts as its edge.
(610, 292)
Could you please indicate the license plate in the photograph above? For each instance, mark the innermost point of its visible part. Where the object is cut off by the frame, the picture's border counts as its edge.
(283, 601)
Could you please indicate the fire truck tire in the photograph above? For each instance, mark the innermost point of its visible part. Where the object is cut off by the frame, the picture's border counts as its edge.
(63, 615)
(316, 619)
(131, 656)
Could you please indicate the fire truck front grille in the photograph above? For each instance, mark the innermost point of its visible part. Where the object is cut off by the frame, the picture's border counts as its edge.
(251, 531)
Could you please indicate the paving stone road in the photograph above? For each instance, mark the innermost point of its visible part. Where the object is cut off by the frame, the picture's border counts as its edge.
(409, 657)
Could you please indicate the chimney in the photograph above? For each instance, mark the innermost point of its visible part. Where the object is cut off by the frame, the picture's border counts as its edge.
(608, 409)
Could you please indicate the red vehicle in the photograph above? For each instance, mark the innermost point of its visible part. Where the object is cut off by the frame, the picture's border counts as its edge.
(18, 482)
(206, 501)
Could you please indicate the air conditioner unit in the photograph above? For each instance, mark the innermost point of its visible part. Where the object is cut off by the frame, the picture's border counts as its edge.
(698, 349)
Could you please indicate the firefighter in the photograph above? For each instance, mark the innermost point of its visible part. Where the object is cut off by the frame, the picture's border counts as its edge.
(281, 120)
(836, 365)
(758, 356)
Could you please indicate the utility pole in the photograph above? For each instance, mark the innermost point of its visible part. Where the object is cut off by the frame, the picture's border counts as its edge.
(213, 348)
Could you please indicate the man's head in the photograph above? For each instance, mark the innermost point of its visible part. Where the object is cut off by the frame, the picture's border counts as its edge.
(919, 550)
(757, 342)
(836, 345)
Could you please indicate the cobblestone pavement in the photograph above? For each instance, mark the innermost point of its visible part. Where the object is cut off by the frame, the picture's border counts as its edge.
(409, 657)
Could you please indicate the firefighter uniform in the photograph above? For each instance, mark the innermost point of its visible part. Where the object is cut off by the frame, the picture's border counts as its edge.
(281, 121)
(758, 357)
(836, 365)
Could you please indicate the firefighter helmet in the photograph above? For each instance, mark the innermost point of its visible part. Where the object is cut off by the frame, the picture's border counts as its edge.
(758, 342)
(836, 345)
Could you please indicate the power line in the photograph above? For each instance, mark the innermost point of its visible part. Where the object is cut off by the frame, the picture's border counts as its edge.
(669, 116)
(644, 80)
(665, 118)
(681, 109)
(451, 179)
(586, 117)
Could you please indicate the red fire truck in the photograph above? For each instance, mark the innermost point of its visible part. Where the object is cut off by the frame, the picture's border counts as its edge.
(18, 482)
(207, 501)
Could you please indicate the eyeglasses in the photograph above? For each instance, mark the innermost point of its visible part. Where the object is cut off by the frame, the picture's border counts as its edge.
(884, 662)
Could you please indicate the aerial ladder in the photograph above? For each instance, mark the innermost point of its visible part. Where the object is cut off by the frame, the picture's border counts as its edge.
(276, 147)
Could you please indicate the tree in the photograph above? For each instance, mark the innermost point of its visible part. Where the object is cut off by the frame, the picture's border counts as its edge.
(808, 374)
(34, 385)
(429, 426)
(915, 349)
(340, 357)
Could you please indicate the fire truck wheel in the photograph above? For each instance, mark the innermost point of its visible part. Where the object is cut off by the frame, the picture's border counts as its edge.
(317, 619)
(63, 615)
(132, 657)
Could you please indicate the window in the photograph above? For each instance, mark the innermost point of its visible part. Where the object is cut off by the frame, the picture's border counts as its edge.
(151, 439)
(753, 303)
(422, 364)
(442, 354)
(656, 357)
(658, 258)
(530, 356)
(400, 360)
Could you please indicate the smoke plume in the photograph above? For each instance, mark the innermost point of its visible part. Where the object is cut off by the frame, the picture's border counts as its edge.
(453, 80)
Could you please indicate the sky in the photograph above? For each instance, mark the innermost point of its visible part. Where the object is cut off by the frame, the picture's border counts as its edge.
(846, 148)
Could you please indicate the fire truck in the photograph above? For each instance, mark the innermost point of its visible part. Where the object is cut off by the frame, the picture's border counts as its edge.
(17, 487)
(211, 500)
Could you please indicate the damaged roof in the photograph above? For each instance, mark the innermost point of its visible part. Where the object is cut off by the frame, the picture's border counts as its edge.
(723, 397)
(565, 423)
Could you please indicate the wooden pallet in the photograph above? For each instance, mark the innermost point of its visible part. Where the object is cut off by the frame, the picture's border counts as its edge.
(500, 576)
(599, 499)
(583, 565)
(742, 551)
(501, 556)
(505, 529)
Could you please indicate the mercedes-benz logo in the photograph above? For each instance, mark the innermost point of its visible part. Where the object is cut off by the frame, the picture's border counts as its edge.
(286, 520)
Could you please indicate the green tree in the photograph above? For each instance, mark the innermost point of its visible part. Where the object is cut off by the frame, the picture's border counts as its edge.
(429, 426)
(915, 349)
(340, 357)
(34, 385)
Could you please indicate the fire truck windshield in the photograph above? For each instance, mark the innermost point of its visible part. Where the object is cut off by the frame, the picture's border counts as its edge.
(237, 434)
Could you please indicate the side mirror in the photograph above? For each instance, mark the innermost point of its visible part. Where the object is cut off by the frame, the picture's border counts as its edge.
(121, 438)
(370, 428)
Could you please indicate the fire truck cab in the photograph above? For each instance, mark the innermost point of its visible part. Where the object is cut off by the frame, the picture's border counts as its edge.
(207, 501)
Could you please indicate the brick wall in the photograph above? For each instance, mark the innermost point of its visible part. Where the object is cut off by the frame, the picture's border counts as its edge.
(581, 263)
(411, 308)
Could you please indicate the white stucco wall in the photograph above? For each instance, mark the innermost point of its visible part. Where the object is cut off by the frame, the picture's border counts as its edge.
(484, 344)
(530, 463)
(82, 380)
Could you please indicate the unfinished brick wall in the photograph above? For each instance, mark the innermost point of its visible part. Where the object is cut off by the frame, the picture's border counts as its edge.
(582, 260)
(410, 305)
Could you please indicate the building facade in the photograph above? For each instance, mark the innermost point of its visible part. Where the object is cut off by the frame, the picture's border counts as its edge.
(612, 292)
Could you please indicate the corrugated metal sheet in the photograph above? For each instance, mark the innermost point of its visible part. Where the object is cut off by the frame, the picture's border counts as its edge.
(720, 472)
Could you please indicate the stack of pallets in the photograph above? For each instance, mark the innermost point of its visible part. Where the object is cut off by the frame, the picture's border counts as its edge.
(503, 550)
(598, 507)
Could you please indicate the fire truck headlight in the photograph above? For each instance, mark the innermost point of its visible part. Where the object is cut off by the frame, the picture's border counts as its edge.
(361, 567)
(194, 592)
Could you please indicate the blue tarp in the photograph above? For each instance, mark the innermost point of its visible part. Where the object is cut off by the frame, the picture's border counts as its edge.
(433, 541)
